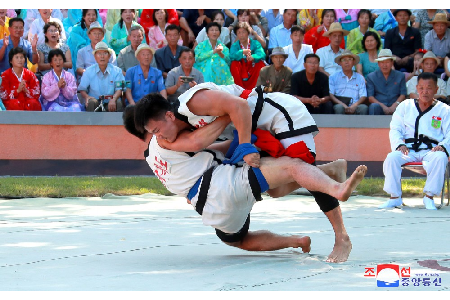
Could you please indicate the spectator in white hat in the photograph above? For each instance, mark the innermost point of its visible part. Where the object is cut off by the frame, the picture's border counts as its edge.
(102, 83)
(143, 79)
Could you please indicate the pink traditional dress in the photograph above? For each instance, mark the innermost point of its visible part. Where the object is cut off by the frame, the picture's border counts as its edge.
(25, 100)
(157, 39)
(54, 98)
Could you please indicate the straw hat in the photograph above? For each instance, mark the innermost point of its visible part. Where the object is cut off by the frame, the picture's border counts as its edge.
(336, 27)
(102, 46)
(346, 53)
(440, 18)
(96, 25)
(385, 54)
(278, 51)
(430, 54)
(143, 47)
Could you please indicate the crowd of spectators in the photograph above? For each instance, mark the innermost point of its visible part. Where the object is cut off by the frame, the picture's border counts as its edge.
(336, 61)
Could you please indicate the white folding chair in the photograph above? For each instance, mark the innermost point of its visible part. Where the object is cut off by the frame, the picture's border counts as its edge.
(417, 167)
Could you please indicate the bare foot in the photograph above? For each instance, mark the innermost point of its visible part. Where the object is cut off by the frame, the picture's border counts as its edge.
(350, 184)
(336, 170)
(341, 250)
(303, 242)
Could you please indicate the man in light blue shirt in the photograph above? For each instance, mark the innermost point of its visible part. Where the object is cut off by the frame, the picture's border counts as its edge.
(348, 88)
(102, 82)
(273, 16)
(280, 36)
(143, 79)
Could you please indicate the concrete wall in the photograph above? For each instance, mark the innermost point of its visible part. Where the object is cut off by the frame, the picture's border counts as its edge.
(50, 143)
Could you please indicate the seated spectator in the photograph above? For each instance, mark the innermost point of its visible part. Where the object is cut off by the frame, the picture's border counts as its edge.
(20, 87)
(32, 14)
(259, 20)
(419, 133)
(102, 82)
(59, 88)
(176, 82)
(384, 22)
(212, 57)
(15, 40)
(224, 37)
(167, 57)
(386, 87)
(113, 16)
(347, 17)
(120, 37)
(423, 17)
(52, 41)
(314, 36)
(280, 36)
(78, 37)
(311, 87)
(356, 35)
(143, 78)
(243, 15)
(85, 56)
(309, 18)
(4, 23)
(192, 22)
(403, 41)
(348, 88)
(156, 38)
(428, 63)
(127, 57)
(2, 107)
(328, 53)
(438, 39)
(147, 21)
(276, 77)
(274, 18)
(247, 57)
(297, 50)
(37, 27)
(417, 66)
(371, 44)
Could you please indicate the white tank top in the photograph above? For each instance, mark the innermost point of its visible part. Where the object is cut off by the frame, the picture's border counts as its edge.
(179, 171)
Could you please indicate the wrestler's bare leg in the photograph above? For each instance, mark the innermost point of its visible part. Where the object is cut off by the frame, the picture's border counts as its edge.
(264, 240)
(336, 170)
(284, 170)
(342, 244)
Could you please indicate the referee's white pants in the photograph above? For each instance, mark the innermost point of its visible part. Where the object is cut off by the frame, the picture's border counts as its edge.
(434, 164)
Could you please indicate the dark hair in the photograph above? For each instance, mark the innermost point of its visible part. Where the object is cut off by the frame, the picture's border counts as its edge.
(311, 55)
(325, 11)
(56, 52)
(217, 12)
(14, 51)
(427, 76)
(154, 18)
(121, 20)
(399, 10)
(187, 50)
(365, 11)
(128, 122)
(47, 26)
(295, 28)
(239, 25)
(241, 12)
(152, 106)
(173, 27)
(288, 9)
(12, 20)
(83, 15)
(375, 36)
(212, 24)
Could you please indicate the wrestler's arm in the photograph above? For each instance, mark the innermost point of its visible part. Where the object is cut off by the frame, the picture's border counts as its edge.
(218, 103)
(221, 146)
(199, 139)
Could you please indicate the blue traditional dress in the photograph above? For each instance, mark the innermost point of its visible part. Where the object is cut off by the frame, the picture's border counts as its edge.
(214, 68)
